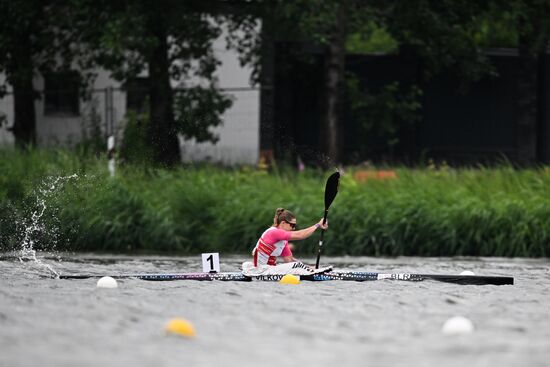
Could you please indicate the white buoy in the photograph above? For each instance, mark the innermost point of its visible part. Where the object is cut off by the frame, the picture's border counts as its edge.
(107, 282)
(457, 325)
(467, 272)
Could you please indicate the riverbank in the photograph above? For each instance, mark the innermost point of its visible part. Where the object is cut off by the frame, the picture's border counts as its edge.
(57, 200)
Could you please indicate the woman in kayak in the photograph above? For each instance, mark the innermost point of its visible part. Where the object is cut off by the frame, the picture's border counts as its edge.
(274, 241)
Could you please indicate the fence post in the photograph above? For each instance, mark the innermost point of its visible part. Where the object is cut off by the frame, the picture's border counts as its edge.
(109, 130)
(111, 154)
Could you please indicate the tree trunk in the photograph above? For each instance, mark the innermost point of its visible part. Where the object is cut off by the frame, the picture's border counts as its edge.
(528, 80)
(24, 125)
(162, 129)
(334, 87)
(267, 99)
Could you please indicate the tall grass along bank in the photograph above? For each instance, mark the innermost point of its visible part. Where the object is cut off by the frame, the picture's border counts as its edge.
(56, 200)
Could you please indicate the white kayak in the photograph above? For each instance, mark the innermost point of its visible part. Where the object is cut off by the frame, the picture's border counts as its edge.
(294, 268)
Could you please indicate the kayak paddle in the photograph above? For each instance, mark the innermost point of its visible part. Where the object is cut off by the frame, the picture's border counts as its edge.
(331, 190)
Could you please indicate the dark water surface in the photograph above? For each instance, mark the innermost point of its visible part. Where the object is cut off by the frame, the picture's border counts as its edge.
(52, 322)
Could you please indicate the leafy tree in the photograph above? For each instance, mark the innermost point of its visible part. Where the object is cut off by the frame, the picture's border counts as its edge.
(533, 29)
(37, 38)
(452, 34)
(30, 40)
(171, 41)
(442, 34)
(324, 22)
(383, 114)
(330, 23)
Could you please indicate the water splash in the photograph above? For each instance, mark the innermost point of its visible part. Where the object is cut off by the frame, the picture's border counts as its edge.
(36, 226)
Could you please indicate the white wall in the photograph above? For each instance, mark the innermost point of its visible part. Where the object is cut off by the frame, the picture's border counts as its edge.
(6, 109)
(61, 130)
(238, 135)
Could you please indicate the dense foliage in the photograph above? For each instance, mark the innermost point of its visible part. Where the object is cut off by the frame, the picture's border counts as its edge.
(429, 211)
(174, 44)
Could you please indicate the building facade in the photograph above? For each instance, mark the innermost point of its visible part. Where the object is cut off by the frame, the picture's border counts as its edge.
(64, 118)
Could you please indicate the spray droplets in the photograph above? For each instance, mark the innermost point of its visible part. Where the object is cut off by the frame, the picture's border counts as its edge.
(35, 227)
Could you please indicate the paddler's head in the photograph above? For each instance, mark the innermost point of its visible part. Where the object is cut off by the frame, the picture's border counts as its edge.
(284, 219)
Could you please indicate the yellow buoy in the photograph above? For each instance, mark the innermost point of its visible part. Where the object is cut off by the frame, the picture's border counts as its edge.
(290, 279)
(181, 327)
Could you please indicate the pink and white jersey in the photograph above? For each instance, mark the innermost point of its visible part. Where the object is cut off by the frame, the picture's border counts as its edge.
(272, 243)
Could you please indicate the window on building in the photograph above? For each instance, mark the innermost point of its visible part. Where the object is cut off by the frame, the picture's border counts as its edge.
(61, 94)
(137, 93)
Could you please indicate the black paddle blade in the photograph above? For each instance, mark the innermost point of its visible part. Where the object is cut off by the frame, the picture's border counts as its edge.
(331, 189)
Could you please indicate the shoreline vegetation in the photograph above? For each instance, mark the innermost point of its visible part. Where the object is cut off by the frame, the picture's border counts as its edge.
(57, 200)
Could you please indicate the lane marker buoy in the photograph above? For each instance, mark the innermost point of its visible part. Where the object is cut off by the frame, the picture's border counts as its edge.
(457, 325)
(290, 279)
(180, 327)
(107, 282)
(467, 272)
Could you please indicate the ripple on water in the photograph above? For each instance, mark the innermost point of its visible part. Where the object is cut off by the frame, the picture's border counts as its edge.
(347, 323)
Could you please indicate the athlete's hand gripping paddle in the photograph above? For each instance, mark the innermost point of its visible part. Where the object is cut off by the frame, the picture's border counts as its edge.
(331, 190)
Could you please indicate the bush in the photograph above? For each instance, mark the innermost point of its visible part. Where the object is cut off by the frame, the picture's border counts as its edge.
(426, 212)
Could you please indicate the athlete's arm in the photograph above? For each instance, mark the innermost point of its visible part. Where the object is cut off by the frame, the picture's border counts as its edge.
(306, 232)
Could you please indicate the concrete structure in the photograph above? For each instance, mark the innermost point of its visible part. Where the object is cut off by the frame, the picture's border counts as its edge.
(238, 136)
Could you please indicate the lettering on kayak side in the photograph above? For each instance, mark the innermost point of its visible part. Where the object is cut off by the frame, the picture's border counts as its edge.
(353, 276)
(273, 277)
(401, 276)
(322, 277)
(195, 276)
(299, 265)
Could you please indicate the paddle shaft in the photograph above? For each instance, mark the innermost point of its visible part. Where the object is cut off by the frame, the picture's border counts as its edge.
(331, 189)
(321, 241)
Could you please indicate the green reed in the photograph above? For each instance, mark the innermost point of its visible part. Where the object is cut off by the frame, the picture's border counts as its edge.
(429, 212)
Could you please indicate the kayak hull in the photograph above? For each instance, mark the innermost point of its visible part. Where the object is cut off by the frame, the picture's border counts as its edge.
(327, 276)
